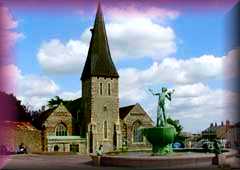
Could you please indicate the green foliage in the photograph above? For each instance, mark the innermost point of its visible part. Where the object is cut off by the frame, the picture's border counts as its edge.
(179, 137)
(54, 101)
(176, 124)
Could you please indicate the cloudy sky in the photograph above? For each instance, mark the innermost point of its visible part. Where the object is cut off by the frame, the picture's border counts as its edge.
(151, 46)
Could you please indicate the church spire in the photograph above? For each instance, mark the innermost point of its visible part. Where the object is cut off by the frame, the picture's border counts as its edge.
(99, 61)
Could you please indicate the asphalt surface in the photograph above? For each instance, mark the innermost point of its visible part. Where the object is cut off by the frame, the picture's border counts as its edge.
(72, 162)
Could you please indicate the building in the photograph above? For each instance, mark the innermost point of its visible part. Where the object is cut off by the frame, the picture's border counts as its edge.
(233, 136)
(95, 118)
(228, 133)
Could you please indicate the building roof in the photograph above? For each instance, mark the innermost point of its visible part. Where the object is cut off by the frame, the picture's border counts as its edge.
(73, 106)
(123, 111)
(45, 114)
(99, 61)
(18, 125)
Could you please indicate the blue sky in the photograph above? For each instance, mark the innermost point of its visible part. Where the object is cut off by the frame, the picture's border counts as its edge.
(197, 34)
(186, 53)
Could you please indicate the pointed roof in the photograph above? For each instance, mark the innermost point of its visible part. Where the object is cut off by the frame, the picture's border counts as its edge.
(99, 61)
(123, 111)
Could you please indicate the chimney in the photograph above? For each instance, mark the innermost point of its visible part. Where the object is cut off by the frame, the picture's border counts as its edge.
(91, 29)
(227, 122)
(43, 108)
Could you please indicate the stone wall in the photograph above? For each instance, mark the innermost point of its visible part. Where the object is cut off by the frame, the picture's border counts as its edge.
(137, 114)
(59, 115)
(15, 133)
(102, 107)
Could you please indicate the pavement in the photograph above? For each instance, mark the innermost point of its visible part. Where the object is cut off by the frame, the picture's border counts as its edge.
(72, 162)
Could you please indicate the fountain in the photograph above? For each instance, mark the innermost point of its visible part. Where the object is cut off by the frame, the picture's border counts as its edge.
(162, 155)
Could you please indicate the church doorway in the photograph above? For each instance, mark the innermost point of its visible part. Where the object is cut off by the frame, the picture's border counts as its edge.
(56, 148)
(90, 142)
(114, 138)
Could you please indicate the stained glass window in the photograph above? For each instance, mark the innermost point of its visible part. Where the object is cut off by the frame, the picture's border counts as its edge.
(61, 130)
(109, 89)
(105, 129)
(101, 88)
(137, 132)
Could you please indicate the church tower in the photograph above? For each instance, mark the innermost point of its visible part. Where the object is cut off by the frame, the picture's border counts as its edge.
(100, 92)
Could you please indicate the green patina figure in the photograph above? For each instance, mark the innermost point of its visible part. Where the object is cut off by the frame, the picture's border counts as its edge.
(161, 109)
(162, 136)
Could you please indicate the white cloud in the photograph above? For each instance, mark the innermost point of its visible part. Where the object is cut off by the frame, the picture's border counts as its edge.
(9, 73)
(33, 90)
(57, 57)
(32, 85)
(176, 71)
(193, 101)
(27, 85)
(126, 39)
(139, 38)
(158, 14)
(68, 95)
(8, 23)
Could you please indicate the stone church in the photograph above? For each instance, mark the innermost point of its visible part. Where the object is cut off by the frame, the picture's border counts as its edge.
(94, 119)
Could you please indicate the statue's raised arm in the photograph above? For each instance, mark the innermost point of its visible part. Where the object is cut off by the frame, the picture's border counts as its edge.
(154, 94)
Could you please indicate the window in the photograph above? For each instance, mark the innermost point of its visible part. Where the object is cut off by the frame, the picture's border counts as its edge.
(109, 89)
(137, 132)
(101, 90)
(105, 129)
(61, 130)
(124, 134)
(74, 148)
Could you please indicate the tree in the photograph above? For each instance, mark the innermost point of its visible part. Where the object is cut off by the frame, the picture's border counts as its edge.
(176, 124)
(12, 109)
(54, 101)
(178, 127)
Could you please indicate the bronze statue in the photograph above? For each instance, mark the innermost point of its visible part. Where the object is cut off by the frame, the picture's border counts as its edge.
(166, 94)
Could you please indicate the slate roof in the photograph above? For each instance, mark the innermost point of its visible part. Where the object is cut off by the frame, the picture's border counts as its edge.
(123, 111)
(99, 61)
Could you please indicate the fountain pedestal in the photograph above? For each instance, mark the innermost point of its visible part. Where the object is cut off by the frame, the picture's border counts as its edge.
(161, 138)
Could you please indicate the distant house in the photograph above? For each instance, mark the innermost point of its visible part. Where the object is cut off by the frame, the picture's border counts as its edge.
(233, 136)
(227, 132)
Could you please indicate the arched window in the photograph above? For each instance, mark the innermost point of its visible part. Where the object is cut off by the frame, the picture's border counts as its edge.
(105, 129)
(109, 89)
(61, 130)
(124, 134)
(137, 132)
(101, 89)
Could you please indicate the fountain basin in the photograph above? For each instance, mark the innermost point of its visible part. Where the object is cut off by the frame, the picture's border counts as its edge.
(178, 159)
(161, 138)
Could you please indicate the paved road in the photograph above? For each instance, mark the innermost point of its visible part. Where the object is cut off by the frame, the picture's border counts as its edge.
(65, 162)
